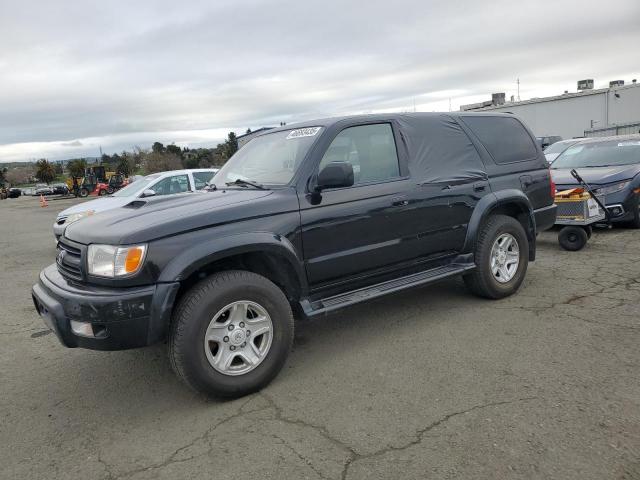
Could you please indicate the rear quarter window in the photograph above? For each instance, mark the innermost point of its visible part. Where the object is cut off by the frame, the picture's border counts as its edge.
(506, 139)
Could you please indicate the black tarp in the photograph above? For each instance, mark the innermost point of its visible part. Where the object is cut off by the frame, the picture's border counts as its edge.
(439, 150)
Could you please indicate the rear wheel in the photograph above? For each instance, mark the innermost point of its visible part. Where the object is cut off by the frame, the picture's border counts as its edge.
(102, 192)
(84, 192)
(110, 190)
(573, 238)
(231, 334)
(501, 256)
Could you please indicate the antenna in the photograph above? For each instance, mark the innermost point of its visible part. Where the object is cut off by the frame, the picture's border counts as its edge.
(518, 82)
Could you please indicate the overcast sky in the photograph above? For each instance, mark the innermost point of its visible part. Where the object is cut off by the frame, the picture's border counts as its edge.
(77, 75)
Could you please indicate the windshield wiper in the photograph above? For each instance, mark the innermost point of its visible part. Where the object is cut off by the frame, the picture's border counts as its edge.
(246, 183)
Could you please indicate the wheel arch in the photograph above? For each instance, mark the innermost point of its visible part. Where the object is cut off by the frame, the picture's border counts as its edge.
(267, 254)
(513, 203)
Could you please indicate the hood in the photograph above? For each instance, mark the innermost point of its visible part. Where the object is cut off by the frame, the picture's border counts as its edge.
(98, 205)
(596, 175)
(147, 219)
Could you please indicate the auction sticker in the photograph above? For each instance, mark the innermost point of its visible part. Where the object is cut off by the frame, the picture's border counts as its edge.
(303, 132)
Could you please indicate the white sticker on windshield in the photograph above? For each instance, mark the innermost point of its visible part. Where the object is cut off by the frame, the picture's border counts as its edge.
(630, 143)
(303, 132)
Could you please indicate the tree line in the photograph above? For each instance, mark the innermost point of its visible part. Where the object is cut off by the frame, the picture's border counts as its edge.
(138, 161)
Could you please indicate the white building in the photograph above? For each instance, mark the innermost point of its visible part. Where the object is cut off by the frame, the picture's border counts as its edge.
(605, 111)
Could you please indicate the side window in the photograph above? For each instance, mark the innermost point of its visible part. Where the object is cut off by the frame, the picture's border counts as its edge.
(504, 138)
(171, 185)
(201, 179)
(370, 149)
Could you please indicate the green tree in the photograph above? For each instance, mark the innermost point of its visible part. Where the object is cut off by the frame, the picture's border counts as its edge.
(174, 149)
(45, 171)
(124, 166)
(160, 162)
(3, 175)
(157, 147)
(76, 167)
(231, 145)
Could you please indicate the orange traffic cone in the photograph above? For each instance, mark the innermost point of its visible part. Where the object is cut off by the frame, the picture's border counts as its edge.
(43, 201)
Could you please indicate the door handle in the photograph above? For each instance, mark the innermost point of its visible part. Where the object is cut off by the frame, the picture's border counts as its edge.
(479, 187)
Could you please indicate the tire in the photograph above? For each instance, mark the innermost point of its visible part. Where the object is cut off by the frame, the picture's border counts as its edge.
(635, 223)
(102, 193)
(482, 280)
(202, 304)
(110, 190)
(573, 238)
(84, 192)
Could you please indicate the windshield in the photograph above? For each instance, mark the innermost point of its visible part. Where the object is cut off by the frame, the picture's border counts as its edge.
(558, 147)
(601, 154)
(270, 159)
(135, 187)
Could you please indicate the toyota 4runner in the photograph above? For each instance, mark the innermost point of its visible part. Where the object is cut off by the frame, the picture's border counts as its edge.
(301, 221)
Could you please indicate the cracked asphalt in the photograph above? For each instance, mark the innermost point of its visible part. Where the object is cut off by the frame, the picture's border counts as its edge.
(428, 383)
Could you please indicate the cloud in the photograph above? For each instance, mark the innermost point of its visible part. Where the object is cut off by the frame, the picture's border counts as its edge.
(118, 70)
(75, 143)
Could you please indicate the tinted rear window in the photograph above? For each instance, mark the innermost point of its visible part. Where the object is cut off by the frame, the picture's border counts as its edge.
(504, 138)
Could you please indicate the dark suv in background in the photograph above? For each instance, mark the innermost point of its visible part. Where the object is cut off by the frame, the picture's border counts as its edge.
(302, 220)
(611, 165)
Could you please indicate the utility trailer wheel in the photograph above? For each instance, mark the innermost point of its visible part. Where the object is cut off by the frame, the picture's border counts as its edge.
(573, 238)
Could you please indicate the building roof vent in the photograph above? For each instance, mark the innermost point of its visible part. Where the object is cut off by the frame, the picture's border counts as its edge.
(497, 98)
(586, 84)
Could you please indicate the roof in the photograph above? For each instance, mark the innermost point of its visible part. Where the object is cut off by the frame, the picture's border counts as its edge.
(263, 129)
(622, 138)
(563, 96)
(383, 117)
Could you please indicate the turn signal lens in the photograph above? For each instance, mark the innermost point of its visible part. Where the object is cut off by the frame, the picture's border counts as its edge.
(134, 259)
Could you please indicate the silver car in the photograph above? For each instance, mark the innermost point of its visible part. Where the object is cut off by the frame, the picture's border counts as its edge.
(164, 183)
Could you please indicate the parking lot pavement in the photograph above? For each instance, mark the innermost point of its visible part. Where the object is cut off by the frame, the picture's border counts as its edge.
(429, 383)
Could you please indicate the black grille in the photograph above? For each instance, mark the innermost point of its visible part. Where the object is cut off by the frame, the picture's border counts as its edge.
(69, 260)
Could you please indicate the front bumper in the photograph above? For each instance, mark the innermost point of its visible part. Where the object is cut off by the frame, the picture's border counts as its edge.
(103, 318)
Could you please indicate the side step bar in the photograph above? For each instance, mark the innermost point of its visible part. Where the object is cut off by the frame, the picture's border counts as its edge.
(360, 295)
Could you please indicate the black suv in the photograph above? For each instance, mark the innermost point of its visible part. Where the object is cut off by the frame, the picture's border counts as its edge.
(301, 221)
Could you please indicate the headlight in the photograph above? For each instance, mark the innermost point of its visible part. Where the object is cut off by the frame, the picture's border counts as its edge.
(109, 261)
(616, 187)
(74, 217)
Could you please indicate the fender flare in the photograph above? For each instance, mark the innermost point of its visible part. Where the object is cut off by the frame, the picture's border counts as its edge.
(490, 202)
(202, 254)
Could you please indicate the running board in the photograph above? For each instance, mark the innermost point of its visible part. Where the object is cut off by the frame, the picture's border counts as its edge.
(360, 295)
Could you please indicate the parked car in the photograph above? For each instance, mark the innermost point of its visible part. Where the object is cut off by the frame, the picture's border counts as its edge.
(611, 165)
(14, 193)
(60, 189)
(548, 140)
(553, 151)
(302, 220)
(158, 184)
(43, 189)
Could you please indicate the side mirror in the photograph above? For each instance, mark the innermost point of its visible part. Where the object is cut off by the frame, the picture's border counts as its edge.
(335, 175)
(148, 193)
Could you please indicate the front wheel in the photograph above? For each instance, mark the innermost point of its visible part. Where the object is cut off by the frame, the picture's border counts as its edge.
(84, 192)
(501, 256)
(231, 334)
